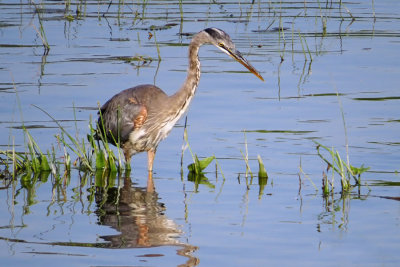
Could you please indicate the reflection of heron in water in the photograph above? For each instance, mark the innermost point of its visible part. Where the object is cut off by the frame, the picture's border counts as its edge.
(139, 217)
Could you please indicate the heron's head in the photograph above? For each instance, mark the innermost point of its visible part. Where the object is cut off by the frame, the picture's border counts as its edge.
(221, 39)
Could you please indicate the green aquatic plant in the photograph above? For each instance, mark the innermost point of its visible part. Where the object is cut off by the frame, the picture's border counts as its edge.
(343, 168)
(324, 20)
(91, 156)
(262, 172)
(198, 166)
(262, 177)
(72, 143)
(308, 177)
(32, 160)
(196, 169)
(41, 32)
(246, 158)
(339, 166)
(157, 46)
(181, 9)
(302, 38)
(105, 157)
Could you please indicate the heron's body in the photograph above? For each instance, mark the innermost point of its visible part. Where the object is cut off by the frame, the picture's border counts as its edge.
(140, 117)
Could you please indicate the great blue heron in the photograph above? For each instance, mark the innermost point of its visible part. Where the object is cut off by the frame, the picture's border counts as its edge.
(140, 117)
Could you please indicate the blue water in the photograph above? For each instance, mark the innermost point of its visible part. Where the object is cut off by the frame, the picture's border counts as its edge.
(231, 220)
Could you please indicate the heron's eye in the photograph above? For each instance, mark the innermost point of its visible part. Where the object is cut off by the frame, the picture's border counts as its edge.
(221, 44)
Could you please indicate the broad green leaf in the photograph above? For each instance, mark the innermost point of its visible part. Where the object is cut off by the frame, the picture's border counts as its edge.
(205, 162)
(262, 173)
(199, 165)
(44, 163)
(360, 170)
(111, 162)
(100, 160)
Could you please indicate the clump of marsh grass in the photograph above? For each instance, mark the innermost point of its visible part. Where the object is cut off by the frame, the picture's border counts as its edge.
(345, 170)
(90, 156)
(105, 156)
(32, 160)
(262, 172)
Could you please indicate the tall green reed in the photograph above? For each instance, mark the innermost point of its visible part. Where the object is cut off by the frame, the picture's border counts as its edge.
(41, 32)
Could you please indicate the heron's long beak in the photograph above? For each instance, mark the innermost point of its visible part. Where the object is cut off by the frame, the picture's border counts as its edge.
(238, 56)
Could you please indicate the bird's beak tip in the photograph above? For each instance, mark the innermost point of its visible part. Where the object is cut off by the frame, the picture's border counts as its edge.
(248, 66)
(260, 77)
(235, 54)
(251, 69)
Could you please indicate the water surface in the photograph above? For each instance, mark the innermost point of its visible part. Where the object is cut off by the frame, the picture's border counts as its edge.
(229, 219)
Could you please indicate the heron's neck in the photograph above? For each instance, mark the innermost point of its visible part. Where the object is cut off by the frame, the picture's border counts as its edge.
(181, 99)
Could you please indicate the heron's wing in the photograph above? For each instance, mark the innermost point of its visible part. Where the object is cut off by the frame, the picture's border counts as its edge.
(128, 110)
(121, 115)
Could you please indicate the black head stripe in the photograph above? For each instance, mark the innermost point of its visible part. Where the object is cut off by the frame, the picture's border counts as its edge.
(214, 32)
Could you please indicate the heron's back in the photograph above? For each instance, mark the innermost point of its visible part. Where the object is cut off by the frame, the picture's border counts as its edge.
(119, 115)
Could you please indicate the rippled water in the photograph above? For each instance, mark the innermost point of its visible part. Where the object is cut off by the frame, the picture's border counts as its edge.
(313, 73)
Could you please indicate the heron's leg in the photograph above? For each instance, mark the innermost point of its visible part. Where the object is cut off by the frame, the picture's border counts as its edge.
(150, 158)
(150, 183)
(127, 155)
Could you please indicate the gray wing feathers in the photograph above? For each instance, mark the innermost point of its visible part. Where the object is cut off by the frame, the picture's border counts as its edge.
(119, 113)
